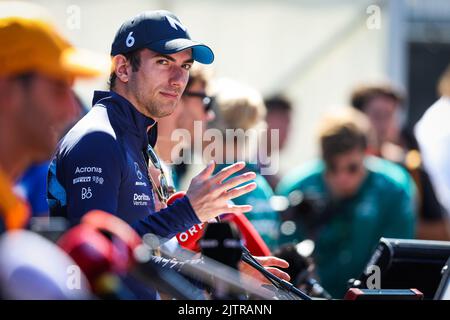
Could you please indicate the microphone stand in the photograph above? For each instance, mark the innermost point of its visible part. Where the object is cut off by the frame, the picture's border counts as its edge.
(278, 282)
(167, 280)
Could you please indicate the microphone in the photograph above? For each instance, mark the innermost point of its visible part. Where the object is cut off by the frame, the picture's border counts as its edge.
(250, 237)
(221, 242)
(101, 243)
(166, 280)
(315, 289)
(281, 284)
(109, 251)
(301, 268)
(189, 239)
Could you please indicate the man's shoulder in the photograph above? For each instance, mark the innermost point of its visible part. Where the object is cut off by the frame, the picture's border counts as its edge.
(432, 130)
(388, 175)
(92, 132)
(263, 186)
(96, 120)
(308, 174)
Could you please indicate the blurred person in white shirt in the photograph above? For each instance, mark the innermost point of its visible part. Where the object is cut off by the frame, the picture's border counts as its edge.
(433, 134)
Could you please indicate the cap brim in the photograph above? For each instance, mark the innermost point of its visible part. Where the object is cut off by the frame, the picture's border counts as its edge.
(83, 63)
(200, 52)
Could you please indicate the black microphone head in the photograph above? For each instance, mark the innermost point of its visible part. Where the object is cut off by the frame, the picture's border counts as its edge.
(298, 264)
(222, 242)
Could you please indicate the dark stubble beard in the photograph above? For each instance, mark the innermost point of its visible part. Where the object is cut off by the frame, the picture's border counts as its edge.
(156, 112)
(148, 106)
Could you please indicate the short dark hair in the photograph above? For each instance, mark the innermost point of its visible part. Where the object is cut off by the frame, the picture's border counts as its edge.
(345, 139)
(362, 95)
(278, 102)
(342, 132)
(135, 60)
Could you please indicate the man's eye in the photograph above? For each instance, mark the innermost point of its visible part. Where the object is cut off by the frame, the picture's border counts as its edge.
(162, 62)
(187, 66)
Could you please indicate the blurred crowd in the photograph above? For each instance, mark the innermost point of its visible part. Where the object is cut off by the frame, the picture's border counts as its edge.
(373, 178)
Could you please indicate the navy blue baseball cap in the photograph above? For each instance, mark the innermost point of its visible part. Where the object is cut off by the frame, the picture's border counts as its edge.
(160, 31)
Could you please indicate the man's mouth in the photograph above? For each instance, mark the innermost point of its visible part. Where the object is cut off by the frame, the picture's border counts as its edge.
(170, 95)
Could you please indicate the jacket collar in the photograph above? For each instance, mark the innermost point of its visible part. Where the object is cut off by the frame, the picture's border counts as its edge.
(128, 117)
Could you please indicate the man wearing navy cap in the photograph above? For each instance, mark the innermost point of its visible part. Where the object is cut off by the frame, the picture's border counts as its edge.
(102, 162)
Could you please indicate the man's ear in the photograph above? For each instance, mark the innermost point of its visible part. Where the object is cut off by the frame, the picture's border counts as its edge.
(121, 67)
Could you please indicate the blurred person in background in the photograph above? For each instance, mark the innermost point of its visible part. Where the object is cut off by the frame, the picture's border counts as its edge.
(278, 117)
(355, 199)
(240, 110)
(192, 115)
(37, 69)
(383, 106)
(32, 186)
(194, 107)
(433, 135)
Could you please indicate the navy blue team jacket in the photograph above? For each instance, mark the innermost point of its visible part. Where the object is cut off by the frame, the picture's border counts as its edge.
(101, 164)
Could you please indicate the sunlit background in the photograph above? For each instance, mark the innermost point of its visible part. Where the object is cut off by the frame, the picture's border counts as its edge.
(313, 51)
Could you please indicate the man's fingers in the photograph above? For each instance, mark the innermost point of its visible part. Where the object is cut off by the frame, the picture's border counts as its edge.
(208, 171)
(237, 192)
(238, 209)
(272, 262)
(277, 272)
(236, 181)
(228, 171)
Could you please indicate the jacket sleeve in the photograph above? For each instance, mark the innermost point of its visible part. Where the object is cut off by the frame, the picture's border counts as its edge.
(92, 172)
(168, 222)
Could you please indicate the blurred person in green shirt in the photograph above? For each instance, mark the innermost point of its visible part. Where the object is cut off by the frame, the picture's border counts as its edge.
(354, 200)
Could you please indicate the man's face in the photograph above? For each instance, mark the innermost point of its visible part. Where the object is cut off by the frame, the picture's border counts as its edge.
(382, 113)
(193, 109)
(278, 120)
(158, 84)
(345, 173)
(45, 108)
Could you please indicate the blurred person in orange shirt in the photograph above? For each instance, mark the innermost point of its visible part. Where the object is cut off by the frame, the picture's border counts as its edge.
(37, 69)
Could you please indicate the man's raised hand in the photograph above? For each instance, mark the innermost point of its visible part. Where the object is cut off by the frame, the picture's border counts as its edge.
(209, 194)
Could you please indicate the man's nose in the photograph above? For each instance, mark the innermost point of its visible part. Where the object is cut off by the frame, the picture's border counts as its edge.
(179, 77)
(341, 176)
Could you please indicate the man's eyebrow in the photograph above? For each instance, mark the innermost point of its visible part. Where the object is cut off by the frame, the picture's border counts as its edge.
(165, 56)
